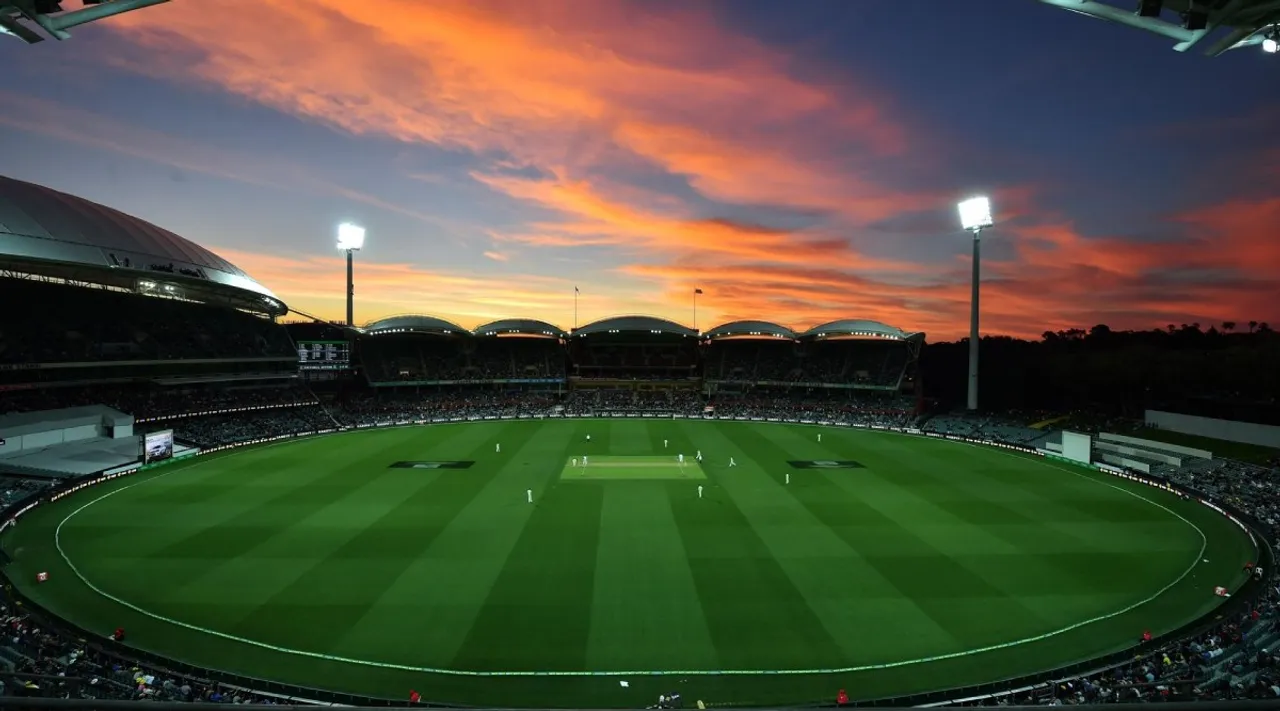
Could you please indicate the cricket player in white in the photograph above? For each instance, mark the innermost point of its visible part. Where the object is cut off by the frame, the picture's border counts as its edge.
(699, 491)
(584, 460)
(664, 444)
(732, 463)
(497, 447)
(529, 494)
(819, 436)
(680, 458)
(575, 461)
(588, 438)
(699, 455)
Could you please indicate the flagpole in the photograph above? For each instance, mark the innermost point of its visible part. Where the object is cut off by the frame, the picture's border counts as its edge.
(695, 310)
(575, 308)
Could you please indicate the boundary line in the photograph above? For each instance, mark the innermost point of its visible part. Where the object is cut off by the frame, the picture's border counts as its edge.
(57, 539)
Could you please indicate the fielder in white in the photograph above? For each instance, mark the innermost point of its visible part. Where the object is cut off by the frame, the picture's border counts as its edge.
(732, 463)
(497, 447)
(698, 456)
(584, 460)
(819, 436)
(575, 461)
(699, 491)
(664, 444)
(529, 493)
(680, 458)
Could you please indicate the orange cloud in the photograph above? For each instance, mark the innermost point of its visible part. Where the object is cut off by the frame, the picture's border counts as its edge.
(548, 82)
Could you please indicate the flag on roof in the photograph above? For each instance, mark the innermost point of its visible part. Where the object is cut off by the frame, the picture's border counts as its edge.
(697, 291)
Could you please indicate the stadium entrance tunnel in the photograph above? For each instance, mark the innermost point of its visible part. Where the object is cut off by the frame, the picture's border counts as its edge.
(553, 568)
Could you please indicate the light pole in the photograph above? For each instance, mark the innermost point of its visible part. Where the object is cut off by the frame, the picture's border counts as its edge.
(975, 216)
(350, 240)
(695, 309)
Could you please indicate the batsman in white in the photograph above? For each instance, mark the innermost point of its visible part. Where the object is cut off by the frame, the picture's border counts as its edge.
(575, 461)
(584, 460)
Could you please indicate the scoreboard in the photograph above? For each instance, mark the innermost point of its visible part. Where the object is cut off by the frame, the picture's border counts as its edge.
(324, 355)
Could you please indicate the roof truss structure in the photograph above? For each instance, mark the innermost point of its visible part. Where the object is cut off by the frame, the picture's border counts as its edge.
(23, 18)
(1189, 23)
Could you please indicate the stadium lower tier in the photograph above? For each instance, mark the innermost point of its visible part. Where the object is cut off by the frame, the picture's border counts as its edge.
(545, 563)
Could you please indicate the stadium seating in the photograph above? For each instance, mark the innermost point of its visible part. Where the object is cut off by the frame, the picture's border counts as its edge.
(76, 325)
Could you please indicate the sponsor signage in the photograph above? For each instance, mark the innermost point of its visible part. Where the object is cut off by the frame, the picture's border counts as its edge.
(825, 464)
(432, 465)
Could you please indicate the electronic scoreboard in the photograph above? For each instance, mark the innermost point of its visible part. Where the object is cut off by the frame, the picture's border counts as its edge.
(324, 355)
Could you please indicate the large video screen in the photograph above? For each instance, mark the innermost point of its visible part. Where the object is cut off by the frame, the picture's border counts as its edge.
(324, 355)
(157, 446)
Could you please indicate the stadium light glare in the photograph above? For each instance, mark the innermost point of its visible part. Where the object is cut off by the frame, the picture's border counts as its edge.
(350, 237)
(975, 213)
(1271, 45)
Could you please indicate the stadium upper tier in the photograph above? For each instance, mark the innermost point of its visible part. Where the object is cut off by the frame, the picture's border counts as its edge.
(421, 323)
(634, 324)
(414, 323)
(520, 326)
(50, 233)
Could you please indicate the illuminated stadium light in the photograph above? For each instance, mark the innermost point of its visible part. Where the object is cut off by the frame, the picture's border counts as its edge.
(975, 216)
(350, 237)
(1271, 43)
(975, 213)
(350, 240)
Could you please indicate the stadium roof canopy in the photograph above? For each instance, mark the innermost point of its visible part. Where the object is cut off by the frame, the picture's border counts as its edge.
(21, 18)
(757, 329)
(635, 324)
(1223, 24)
(522, 326)
(47, 233)
(414, 323)
(854, 327)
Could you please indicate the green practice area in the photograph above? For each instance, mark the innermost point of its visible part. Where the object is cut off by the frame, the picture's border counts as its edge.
(379, 561)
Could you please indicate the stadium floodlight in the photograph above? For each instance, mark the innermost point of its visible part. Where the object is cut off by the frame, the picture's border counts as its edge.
(350, 237)
(1271, 44)
(350, 240)
(975, 216)
(975, 213)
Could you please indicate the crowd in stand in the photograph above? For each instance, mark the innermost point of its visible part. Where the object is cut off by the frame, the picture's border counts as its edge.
(453, 358)
(149, 402)
(870, 363)
(38, 662)
(76, 325)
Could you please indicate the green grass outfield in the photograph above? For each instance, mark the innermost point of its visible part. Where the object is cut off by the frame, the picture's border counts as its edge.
(988, 562)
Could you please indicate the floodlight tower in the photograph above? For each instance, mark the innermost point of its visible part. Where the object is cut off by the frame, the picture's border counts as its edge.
(975, 216)
(350, 240)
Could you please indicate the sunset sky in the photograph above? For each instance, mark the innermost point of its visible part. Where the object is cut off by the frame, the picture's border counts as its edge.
(797, 161)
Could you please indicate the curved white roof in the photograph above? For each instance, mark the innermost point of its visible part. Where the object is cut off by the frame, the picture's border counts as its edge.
(528, 326)
(856, 327)
(45, 230)
(750, 328)
(414, 323)
(635, 324)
